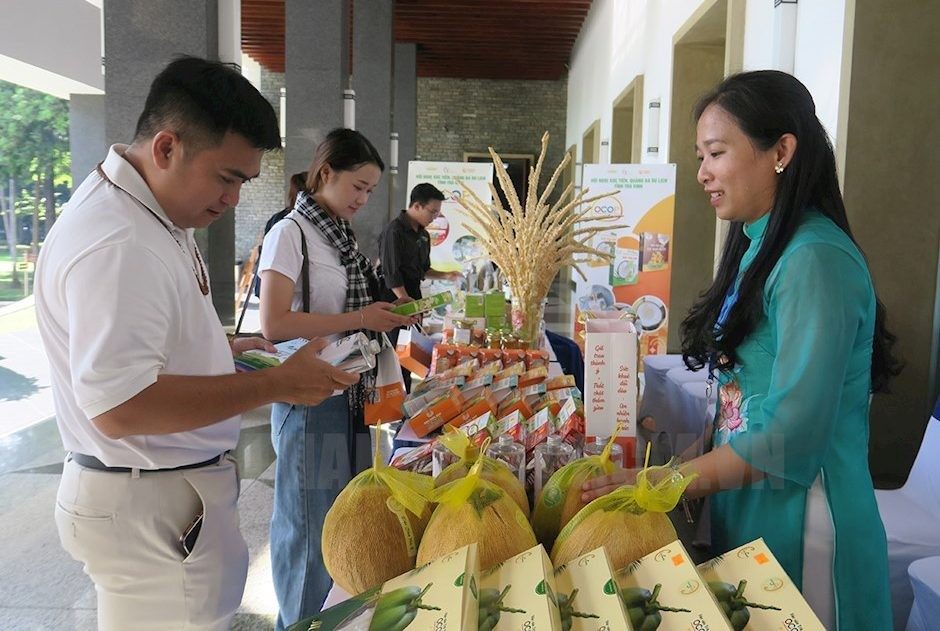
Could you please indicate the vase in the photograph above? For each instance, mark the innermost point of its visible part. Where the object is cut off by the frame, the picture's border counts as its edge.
(528, 320)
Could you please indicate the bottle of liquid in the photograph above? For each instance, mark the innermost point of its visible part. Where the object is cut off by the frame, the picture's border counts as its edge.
(595, 449)
(549, 457)
(511, 453)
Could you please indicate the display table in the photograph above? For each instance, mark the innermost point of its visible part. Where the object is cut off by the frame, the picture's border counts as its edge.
(925, 580)
(674, 398)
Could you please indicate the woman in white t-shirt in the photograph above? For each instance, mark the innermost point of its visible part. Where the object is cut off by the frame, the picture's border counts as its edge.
(319, 448)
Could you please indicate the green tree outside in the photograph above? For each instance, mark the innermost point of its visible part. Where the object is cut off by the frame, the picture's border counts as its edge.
(35, 177)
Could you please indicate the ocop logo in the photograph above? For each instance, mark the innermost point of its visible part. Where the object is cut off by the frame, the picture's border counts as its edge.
(607, 209)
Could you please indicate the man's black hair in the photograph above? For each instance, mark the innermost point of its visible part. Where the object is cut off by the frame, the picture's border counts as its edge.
(425, 192)
(202, 100)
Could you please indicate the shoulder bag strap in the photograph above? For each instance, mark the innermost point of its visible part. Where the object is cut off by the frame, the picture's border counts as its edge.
(304, 268)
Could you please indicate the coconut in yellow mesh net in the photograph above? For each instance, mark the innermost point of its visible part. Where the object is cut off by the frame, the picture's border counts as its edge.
(560, 499)
(469, 510)
(630, 523)
(372, 531)
(492, 470)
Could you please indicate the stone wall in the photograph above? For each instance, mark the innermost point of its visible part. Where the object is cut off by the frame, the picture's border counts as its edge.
(468, 115)
(263, 196)
(454, 116)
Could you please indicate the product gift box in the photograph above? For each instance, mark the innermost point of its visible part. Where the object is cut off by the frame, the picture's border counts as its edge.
(519, 594)
(668, 577)
(751, 573)
(588, 596)
(437, 413)
(414, 350)
(440, 595)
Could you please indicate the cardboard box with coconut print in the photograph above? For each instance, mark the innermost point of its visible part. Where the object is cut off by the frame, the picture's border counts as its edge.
(588, 596)
(664, 591)
(752, 587)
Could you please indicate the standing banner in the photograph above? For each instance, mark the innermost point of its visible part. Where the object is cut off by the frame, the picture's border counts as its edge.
(451, 244)
(638, 276)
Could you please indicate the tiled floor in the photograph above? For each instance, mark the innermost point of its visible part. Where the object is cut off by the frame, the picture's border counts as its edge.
(42, 588)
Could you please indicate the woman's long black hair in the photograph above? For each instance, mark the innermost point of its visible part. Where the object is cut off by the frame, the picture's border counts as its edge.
(767, 104)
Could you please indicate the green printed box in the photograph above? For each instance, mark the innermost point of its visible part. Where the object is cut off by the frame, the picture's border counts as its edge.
(494, 304)
(473, 306)
(424, 305)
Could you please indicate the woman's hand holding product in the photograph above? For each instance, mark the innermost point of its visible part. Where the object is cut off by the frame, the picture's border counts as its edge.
(377, 317)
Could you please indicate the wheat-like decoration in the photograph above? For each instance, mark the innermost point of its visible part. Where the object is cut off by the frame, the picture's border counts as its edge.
(531, 243)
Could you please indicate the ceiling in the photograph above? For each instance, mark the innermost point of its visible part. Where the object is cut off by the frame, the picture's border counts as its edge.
(485, 39)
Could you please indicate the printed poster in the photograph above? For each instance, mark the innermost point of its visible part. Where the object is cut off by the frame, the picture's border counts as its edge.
(451, 244)
(639, 274)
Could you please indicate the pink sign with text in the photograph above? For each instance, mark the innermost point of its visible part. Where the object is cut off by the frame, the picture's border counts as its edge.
(610, 375)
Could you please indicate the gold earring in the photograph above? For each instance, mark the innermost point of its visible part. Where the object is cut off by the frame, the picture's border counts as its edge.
(778, 168)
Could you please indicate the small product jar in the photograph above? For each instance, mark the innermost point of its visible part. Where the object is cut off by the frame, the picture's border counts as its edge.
(463, 330)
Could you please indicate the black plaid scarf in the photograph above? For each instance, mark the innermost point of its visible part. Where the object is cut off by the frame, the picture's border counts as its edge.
(339, 232)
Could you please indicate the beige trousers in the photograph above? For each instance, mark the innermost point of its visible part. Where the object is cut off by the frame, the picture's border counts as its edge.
(126, 530)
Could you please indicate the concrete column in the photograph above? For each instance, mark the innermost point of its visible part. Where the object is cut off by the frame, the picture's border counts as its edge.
(785, 18)
(140, 39)
(404, 121)
(372, 81)
(86, 134)
(316, 43)
(891, 195)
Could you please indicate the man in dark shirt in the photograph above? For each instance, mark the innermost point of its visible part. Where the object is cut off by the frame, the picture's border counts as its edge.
(405, 250)
(405, 245)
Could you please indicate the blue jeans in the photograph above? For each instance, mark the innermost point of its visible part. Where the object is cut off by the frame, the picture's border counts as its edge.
(318, 453)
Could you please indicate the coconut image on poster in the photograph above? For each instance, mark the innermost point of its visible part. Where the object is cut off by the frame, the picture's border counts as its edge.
(639, 272)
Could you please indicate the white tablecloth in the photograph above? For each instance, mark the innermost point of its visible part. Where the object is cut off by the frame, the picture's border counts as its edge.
(925, 579)
(675, 398)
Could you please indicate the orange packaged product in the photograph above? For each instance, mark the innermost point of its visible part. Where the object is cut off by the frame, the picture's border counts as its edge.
(571, 423)
(510, 370)
(538, 428)
(561, 381)
(532, 393)
(484, 403)
(513, 356)
(489, 367)
(534, 376)
(534, 359)
(563, 393)
(417, 460)
(470, 352)
(512, 403)
(553, 406)
(479, 429)
(512, 424)
(437, 413)
(443, 357)
(488, 355)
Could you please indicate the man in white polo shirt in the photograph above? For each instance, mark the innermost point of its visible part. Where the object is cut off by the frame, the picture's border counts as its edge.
(147, 399)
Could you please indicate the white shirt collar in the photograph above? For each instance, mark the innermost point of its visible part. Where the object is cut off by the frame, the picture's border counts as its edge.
(123, 174)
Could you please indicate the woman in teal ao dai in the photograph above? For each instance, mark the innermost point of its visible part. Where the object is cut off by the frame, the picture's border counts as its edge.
(795, 338)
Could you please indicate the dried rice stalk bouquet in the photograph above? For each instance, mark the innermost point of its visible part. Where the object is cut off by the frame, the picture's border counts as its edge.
(530, 243)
